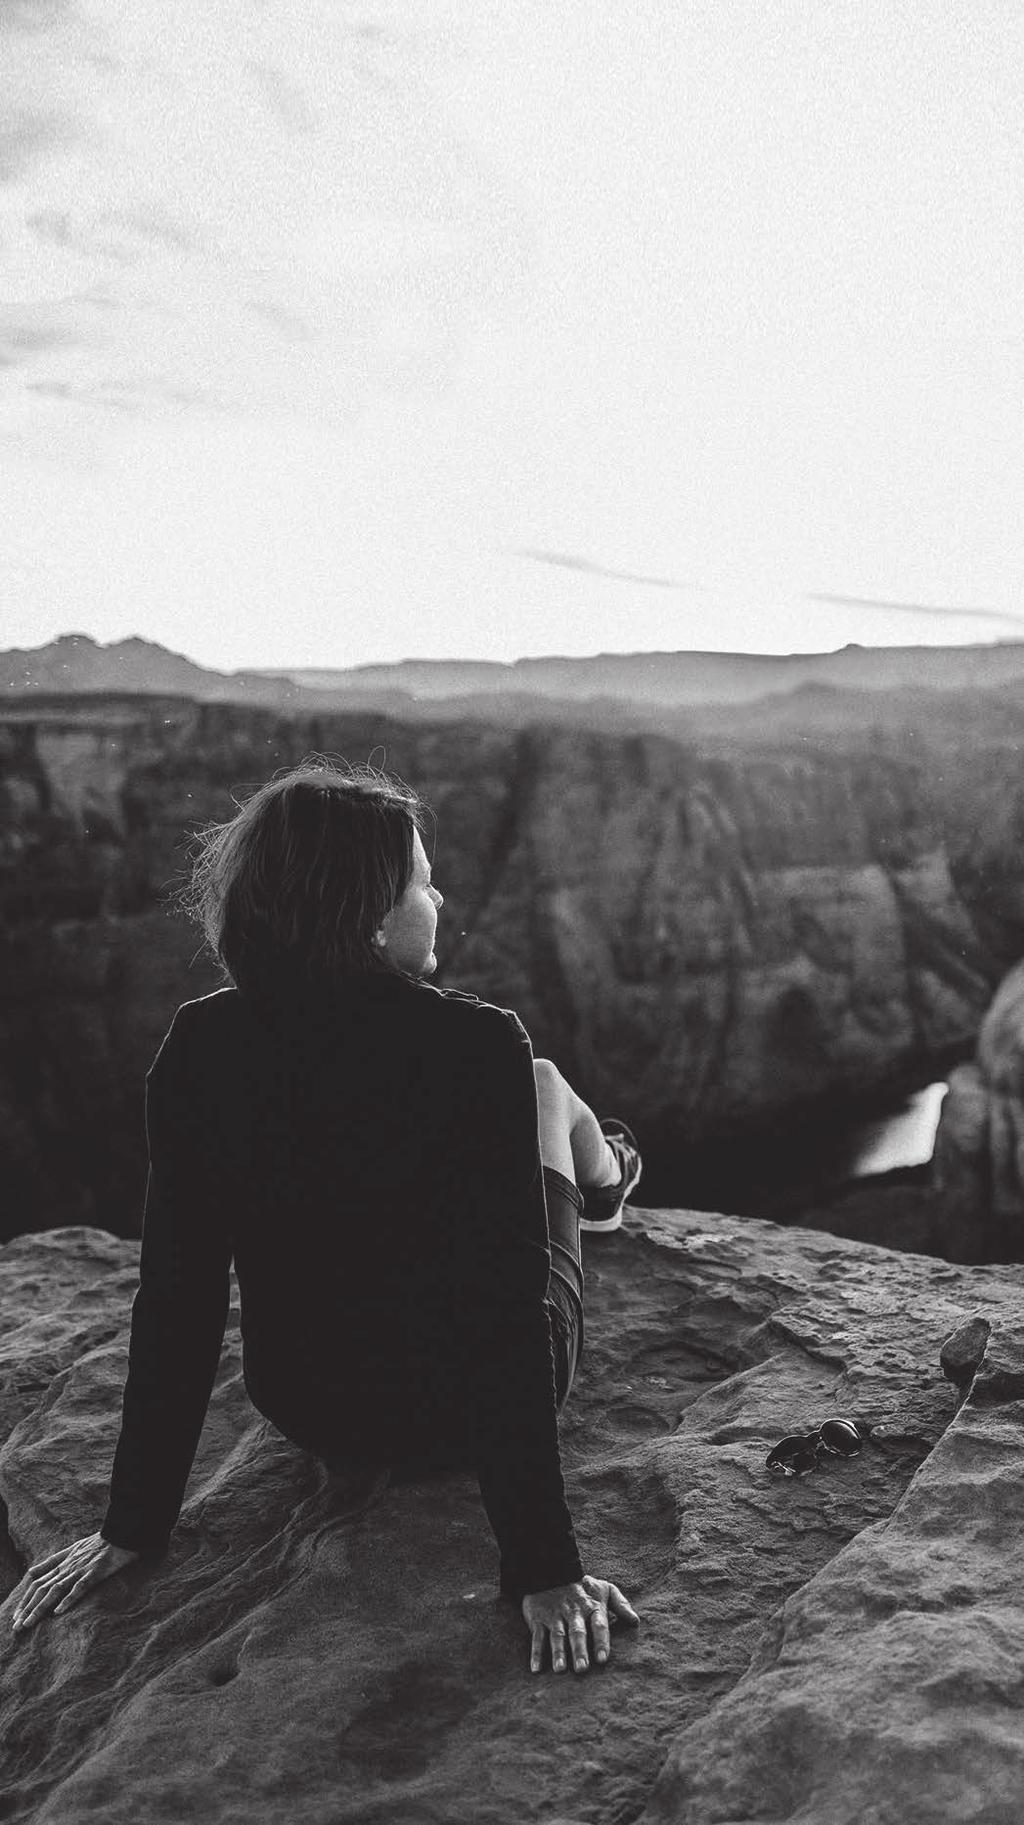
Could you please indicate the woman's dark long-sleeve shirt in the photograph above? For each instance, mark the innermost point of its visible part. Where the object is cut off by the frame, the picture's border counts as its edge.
(370, 1163)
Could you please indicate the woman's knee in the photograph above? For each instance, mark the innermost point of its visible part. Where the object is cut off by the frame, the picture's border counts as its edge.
(554, 1117)
(554, 1095)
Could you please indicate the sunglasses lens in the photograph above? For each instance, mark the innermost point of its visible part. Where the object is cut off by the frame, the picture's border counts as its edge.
(841, 1437)
(794, 1456)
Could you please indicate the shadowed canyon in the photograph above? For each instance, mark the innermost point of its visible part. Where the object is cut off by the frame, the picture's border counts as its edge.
(720, 937)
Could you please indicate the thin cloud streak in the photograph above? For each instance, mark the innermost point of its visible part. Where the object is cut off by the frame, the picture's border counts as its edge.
(27, 137)
(21, 341)
(32, 15)
(121, 235)
(917, 608)
(568, 562)
(285, 99)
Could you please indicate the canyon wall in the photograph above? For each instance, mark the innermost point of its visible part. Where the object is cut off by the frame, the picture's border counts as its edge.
(704, 937)
(978, 1167)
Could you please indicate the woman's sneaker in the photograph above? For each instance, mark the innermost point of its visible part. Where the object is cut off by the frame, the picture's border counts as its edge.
(602, 1204)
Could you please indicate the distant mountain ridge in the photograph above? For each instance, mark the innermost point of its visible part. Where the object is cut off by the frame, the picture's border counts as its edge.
(77, 662)
(658, 681)
(686, 678)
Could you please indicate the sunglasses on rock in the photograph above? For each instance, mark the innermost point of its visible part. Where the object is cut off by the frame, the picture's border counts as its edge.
(797, 1454)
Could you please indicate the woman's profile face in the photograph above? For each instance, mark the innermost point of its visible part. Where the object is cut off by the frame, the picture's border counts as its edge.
(408, 930)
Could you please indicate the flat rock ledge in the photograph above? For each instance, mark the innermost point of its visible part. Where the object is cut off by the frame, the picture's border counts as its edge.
(846, 1646)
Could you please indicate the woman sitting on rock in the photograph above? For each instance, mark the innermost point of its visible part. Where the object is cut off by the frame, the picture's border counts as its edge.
(396, 1179)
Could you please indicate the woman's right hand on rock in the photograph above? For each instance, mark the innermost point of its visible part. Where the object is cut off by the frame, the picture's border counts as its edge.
(561, 1617)
(66, 1576)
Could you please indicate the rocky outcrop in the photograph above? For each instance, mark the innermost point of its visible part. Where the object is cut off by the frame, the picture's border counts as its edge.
(707, 939)
(842, 1647)
(978, 1166)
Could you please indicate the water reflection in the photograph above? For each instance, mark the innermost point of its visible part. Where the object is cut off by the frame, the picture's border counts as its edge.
(776, 1173)
(904, 1138)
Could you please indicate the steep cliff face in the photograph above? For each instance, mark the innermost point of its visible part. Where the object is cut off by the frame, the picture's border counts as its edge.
(979, 1149)
(701, 938)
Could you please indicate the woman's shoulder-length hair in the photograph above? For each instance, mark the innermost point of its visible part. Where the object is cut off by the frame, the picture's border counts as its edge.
(291, 890)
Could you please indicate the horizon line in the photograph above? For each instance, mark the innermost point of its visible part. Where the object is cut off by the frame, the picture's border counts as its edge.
(723, 655)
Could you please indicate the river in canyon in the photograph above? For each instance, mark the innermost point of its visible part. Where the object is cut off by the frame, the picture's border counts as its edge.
(776, 1174)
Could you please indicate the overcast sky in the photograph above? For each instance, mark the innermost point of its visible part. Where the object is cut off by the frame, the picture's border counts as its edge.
(334, 333)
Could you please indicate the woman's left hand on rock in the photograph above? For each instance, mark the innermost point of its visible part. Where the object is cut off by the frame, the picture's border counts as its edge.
(62, 1579)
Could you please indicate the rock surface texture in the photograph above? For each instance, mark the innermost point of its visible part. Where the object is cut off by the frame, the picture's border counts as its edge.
(978, 1167)
(848, 1646)
(704, 935)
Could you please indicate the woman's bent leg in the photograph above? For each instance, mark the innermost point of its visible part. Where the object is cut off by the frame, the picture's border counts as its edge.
(570, 1134)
